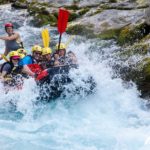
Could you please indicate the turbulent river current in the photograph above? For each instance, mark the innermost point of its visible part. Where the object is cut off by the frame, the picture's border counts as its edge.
(112, 117)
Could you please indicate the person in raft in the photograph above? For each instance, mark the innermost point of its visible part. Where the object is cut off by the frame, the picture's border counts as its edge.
(35, 58)
(11, 66)
(12, 40)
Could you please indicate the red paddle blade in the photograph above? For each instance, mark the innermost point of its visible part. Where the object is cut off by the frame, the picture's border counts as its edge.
(62, 20)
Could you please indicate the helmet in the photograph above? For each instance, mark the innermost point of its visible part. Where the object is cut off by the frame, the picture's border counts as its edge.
(9, 25)
(62, 46)
(46, 51)
(22, 55)
(22, 51)
(36, 48)
(14, 54)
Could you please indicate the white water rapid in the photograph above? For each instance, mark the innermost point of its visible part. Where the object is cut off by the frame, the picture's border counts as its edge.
(113, 117)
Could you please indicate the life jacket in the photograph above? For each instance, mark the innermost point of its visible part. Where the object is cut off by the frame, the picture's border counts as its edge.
(62, 60)
(14, 69)
(11, 64)
(35, 68)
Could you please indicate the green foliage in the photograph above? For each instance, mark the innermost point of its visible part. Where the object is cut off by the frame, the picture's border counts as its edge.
(138, 48)
(83, 11)
(97, 12)
(109, 34)
(146, 69)
(80, 30)
(73, 16)
(72, 7)
(113, 1)
(4, 1)
(129, 35)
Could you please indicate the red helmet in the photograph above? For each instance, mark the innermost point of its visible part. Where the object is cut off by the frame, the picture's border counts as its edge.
(9, 25)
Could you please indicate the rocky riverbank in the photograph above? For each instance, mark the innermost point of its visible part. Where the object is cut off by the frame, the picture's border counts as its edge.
(126, 21)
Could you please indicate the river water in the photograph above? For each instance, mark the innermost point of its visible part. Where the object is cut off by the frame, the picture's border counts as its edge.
(113, 117)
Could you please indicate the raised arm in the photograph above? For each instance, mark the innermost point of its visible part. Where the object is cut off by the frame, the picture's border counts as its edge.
(9, 38)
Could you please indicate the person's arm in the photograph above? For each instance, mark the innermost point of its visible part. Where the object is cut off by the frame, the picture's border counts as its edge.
(3, 74)
(28, 71)
(56, 63)
(9, 38)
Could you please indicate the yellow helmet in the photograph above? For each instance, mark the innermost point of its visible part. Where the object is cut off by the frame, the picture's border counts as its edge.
(14, 54)
(22, 51)
(22, 55)
(46, 51)
(62, 46)
(36, 48)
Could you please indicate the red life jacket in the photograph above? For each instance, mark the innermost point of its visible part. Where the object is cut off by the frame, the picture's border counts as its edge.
(35, 68)
(38, 70)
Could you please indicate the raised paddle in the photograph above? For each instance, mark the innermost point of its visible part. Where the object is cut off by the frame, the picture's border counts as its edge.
(4, 57)
(63, 17)
(45, 37)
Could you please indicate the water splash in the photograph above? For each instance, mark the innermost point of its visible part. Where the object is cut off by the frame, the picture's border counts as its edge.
(112, 118)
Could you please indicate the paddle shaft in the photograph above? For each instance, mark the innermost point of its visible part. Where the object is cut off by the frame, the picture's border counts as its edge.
(59, 41)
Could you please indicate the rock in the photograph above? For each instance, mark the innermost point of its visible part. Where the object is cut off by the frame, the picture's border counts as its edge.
(81, 30)
(4, 1)
(136, 49)
(58, 3)
(147, 15)
(20, 4)
(144, 82)
(132, 33)
(120, 5)
(79, 3)
(45, 13)
(108, 20)
(142, 2)
(136, 65)
(93, 3)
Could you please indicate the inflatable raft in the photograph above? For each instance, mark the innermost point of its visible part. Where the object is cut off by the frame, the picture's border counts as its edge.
(54, 84)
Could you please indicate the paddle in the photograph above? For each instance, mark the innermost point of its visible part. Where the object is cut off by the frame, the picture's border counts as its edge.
(62, 23)
(4, 57)
(45, 37)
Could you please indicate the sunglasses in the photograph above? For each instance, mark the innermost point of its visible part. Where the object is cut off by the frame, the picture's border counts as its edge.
(16, 59)
(37, 53)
